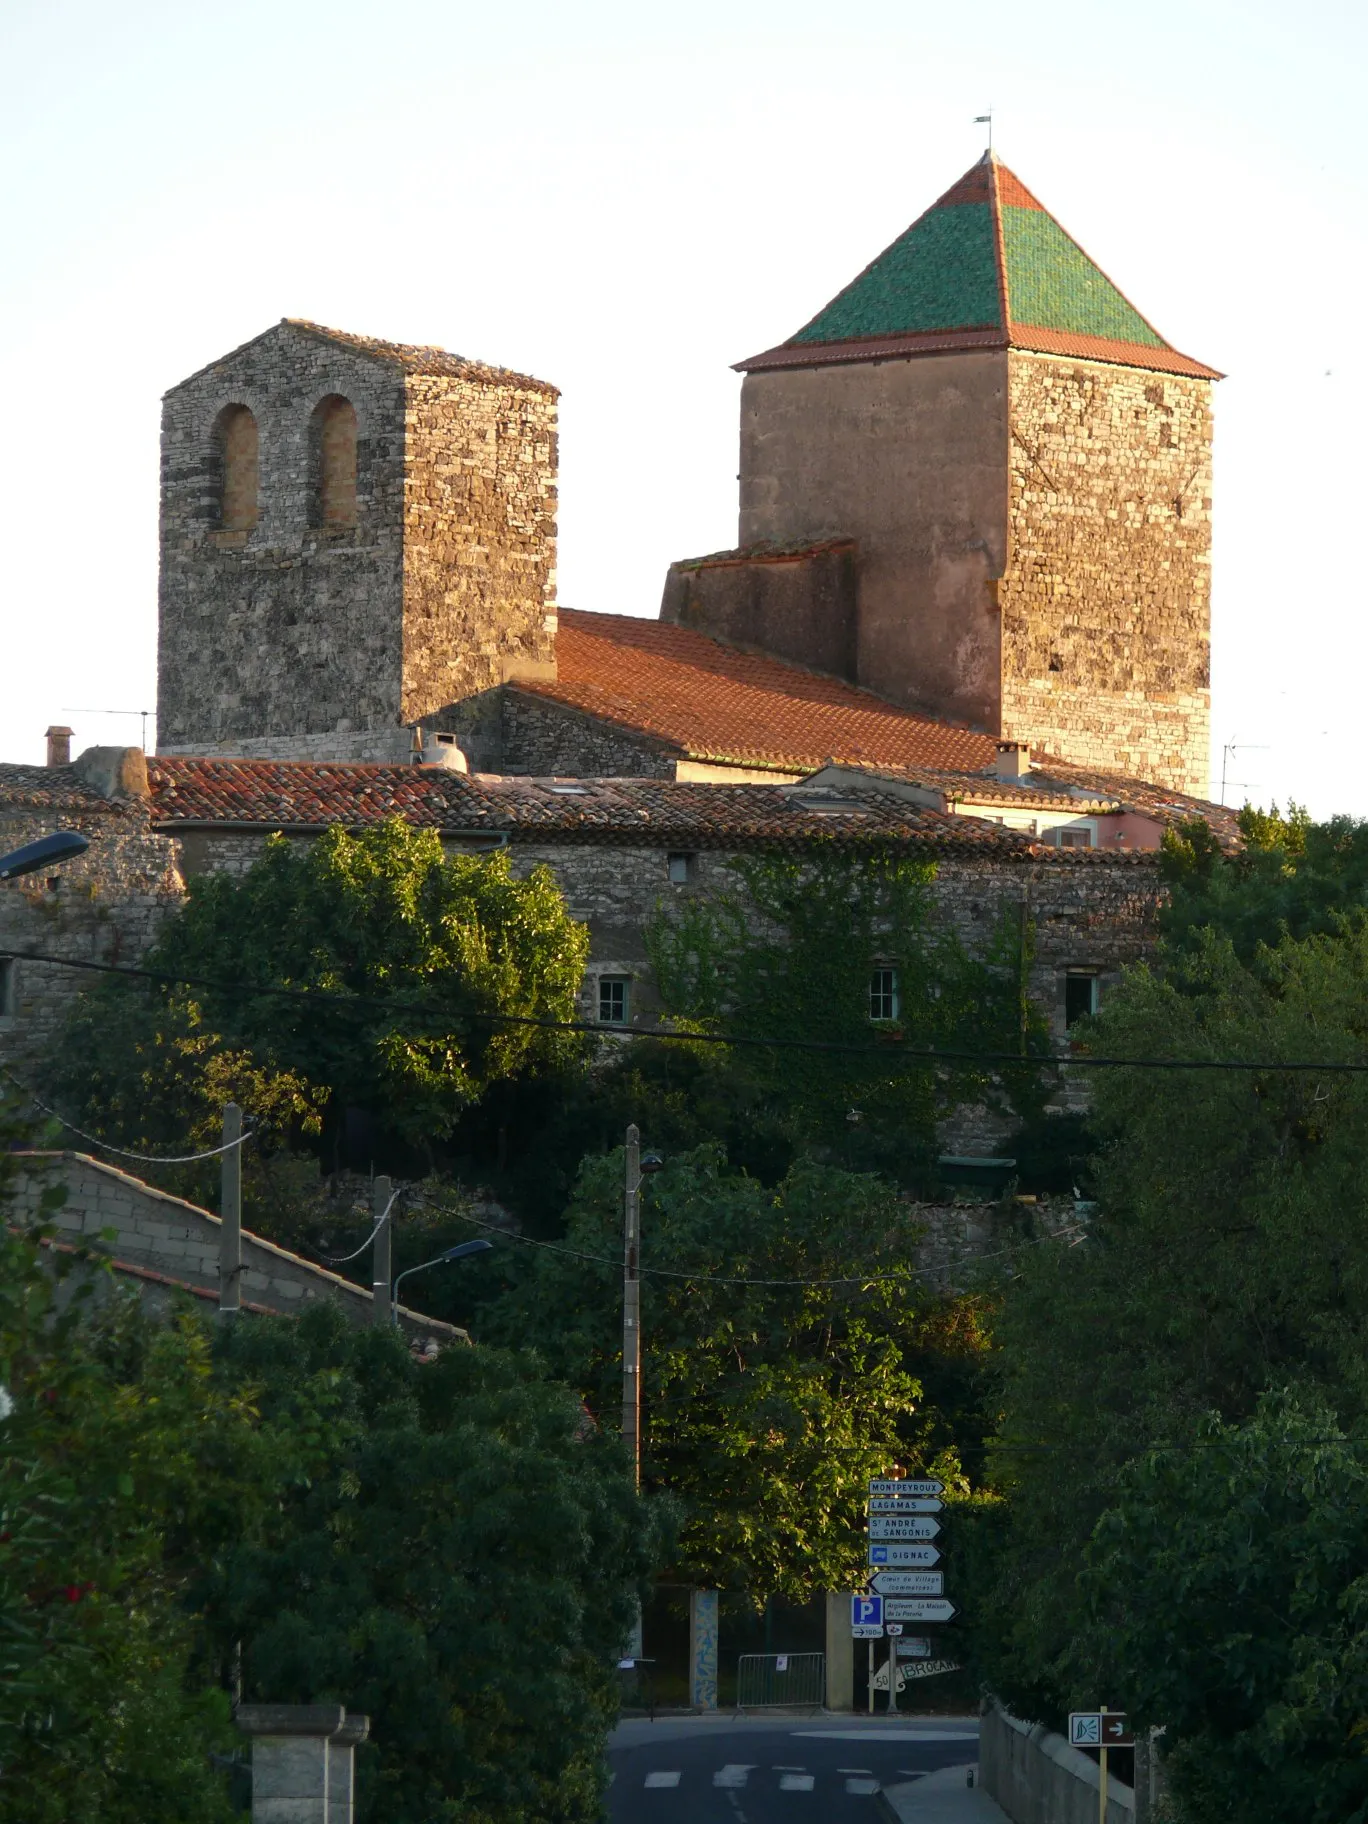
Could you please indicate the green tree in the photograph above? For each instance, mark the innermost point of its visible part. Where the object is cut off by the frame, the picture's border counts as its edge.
(399, 967)
(789, 956)
(1227, 1593)
(787, 1344)
(461, 1564)
(1227, 1260)
(107, 1712)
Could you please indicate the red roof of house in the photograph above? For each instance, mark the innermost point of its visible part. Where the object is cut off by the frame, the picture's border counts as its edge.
(715, 703)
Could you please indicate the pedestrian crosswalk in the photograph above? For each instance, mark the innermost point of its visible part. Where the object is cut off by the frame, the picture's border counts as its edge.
(737, 1775)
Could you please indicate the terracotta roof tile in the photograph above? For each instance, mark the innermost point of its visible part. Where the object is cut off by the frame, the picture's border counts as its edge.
(715, 703)
(53, 788)
(632, 813)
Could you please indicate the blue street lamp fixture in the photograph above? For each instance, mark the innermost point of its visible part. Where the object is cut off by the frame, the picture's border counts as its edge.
(457, 1253)
(62, 845)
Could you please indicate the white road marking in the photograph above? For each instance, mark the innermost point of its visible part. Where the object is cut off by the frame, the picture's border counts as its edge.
(735, 1773)
(662, 1779)
(888, 1735)
(862, 1785)
(795, 1782)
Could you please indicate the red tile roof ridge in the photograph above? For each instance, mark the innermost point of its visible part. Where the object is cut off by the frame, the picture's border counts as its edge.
(724, 704)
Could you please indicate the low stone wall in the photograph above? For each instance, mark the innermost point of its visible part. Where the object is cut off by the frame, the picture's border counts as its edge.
(1037, 1778)
(166, 1245)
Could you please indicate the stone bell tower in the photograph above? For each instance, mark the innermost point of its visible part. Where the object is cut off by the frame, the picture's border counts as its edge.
(354, 535)
(1015, 468)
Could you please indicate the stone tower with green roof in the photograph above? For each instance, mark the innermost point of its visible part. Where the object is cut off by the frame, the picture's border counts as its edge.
(1021, 466)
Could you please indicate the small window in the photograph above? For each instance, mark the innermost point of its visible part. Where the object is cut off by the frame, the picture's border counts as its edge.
(681, 868)
(1080, 995)
(1075, 836)
(570, 791)
(236, 475)
(614, 1000)
(332, 462)
(883, 994)
(7, 987)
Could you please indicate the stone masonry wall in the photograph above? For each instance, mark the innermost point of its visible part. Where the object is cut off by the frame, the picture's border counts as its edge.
(380, 746)
(546, 739)
(286, 629)
(1106, 597)
(479, 537)
(165, 1235)
(105, 906)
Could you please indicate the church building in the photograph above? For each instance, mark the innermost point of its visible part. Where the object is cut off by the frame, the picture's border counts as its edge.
(975, 508)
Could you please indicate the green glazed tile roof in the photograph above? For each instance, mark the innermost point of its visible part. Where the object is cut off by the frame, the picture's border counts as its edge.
(941, 274)
(987, 266)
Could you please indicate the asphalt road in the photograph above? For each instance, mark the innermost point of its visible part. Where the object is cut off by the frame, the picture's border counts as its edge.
(751, 1770)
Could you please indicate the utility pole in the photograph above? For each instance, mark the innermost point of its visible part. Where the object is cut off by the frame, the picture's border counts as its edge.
(230, 1214)
(631, 1330)
(382, 1259)
(631, 1304)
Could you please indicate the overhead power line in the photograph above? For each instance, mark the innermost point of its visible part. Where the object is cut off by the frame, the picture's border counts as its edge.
(123, 1152)
(890, 1049)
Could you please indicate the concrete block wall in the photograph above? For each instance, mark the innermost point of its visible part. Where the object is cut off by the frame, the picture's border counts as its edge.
(1037, 1778)
(166, 1235)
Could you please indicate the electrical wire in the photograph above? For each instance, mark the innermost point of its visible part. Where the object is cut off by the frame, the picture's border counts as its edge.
(706, 1276)
(890, 1049)
(342, 1260)
(123, 1152)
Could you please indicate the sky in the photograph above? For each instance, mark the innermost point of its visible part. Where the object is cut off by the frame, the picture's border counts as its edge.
(627, 199)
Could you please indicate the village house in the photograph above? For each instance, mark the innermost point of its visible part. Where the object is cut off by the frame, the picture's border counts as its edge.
(967, 618)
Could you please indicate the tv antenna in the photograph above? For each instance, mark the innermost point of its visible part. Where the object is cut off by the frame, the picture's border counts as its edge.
(67, 710)
(1239, 747)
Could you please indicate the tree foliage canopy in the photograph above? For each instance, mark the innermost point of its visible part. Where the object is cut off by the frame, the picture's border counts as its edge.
(787, 1345)
(788, 956)
(1222, 1291)
(396, 962)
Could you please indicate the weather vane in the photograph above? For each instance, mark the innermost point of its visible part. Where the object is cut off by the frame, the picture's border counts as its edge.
(986, 120)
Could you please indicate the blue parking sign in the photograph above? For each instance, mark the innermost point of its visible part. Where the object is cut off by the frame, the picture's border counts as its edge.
(866, 1611)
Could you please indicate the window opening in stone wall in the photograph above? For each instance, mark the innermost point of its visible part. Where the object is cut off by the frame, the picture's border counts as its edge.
(1080, 995)
(332, 462)
(1075, 838)
(680, 868)
(614, 1000)
(883, 994)
(236, 469)
(8, 991)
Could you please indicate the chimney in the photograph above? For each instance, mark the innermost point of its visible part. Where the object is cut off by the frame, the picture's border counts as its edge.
(1013, 760)
(59, 745)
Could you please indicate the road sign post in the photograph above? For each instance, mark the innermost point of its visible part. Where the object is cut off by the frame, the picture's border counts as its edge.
(902, 1554)
(1101, 1729)
(866, 1612)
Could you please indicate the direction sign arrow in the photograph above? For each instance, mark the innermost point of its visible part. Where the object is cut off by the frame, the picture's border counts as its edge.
(914, 1504)
(920, 1608)
(910, 1583)
(914, 1583)
(883, 1485)
(859, 1631)
(898, 1526)
(907, 1554)
(898, 1554)
(1099, 1729)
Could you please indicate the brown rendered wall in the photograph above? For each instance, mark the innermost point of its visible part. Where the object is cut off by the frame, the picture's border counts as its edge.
(1106, 598)
(479, 538)
(800, 606)
(908, 457)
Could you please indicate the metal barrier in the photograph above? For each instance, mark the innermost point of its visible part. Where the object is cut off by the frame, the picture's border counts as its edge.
(780, 1681)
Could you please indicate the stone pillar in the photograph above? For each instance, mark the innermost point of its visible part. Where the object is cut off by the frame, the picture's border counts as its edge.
(341, 1769)
(703, 1629)
(291, 1756)
(840, 1654)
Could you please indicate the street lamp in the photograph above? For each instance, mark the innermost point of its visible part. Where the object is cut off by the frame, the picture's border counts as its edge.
(457, 1253)
(62, 845)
